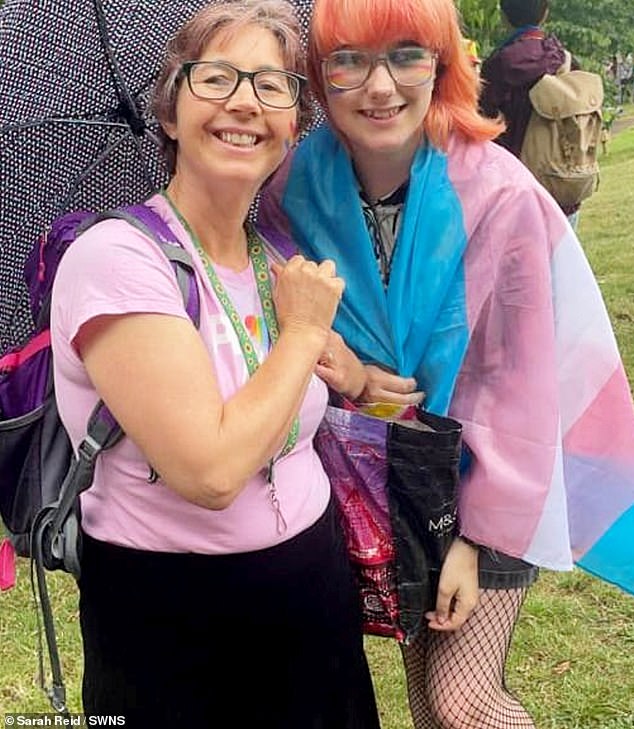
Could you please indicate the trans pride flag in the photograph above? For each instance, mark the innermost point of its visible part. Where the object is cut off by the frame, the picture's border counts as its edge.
(493, 307)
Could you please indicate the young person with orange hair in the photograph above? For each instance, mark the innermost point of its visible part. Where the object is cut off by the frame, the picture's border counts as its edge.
(465, 286)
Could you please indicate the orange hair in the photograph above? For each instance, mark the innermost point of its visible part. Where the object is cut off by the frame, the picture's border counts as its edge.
(433, 24)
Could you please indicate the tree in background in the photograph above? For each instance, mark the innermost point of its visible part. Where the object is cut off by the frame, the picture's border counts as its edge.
(593, 30)
(481, 20)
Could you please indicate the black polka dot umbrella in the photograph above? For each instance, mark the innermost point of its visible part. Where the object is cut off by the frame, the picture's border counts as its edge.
(75, 129)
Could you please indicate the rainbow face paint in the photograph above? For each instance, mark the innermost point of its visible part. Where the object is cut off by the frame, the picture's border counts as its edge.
(288, 143)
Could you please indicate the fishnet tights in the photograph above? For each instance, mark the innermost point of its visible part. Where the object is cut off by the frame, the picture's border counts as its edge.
(456, 680)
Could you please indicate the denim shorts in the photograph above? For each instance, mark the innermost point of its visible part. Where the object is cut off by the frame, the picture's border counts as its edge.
(498, 571)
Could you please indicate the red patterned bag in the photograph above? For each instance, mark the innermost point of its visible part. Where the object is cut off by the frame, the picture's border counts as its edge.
(395, 482)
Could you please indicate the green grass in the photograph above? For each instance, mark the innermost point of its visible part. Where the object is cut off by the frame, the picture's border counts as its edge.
(606, 232)
(19, 688)
(572, 658)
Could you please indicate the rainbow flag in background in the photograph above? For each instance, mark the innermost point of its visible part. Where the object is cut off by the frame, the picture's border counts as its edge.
(493, 307)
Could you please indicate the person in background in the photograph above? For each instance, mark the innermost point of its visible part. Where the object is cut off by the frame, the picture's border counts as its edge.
(222, 592)
(515, 66)
(625, 78)
(458, 265)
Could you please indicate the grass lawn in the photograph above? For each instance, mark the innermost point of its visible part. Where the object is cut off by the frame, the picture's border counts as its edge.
(572, 658)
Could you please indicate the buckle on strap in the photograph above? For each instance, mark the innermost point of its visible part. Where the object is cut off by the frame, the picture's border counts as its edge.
(89, 449)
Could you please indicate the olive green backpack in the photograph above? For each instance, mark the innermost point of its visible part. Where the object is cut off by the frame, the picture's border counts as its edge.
(561, 143)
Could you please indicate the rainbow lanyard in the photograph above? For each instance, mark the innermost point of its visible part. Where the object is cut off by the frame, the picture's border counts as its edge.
(265, 293)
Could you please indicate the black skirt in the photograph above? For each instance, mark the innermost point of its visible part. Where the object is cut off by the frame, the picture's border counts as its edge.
(498, 571)
(269, 639)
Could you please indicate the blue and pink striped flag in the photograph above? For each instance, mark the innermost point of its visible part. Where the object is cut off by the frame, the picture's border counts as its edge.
(493, 307)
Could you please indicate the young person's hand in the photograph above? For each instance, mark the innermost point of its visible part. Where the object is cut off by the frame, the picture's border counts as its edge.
(340, 368)
(457, 589)
(383, 386)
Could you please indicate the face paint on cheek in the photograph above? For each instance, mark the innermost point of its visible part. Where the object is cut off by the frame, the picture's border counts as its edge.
(333, 91)
(288, 143)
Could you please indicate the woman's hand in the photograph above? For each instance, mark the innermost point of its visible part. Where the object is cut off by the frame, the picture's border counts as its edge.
(340, 368)
(382, 386)
(457, 589)
(306, 295)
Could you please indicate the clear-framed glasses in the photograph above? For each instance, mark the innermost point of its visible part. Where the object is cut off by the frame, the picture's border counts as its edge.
(350, 68)
(218, 80)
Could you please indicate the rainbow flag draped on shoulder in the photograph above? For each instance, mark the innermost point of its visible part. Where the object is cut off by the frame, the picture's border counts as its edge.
(493, 307)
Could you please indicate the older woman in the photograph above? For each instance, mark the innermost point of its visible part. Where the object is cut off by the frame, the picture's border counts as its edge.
(223, 588)
(463, 281)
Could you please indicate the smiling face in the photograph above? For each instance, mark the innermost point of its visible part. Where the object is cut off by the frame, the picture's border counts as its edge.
(381, 116)
(235, 139)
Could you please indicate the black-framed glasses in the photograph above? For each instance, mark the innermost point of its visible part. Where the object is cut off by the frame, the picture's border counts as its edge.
(350, 68)
(218, 80)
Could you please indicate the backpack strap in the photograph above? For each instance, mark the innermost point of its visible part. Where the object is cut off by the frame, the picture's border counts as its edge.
(151, 224)
(566, 65)
(103, 432)
(55, 534)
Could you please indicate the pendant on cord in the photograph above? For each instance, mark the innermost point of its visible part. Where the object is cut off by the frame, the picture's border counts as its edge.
(282, 526)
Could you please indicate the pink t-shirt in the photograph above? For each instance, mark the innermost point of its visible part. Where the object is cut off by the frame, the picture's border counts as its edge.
(115, 269)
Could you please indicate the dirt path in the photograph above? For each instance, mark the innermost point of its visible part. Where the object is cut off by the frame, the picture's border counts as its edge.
(622, 122)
